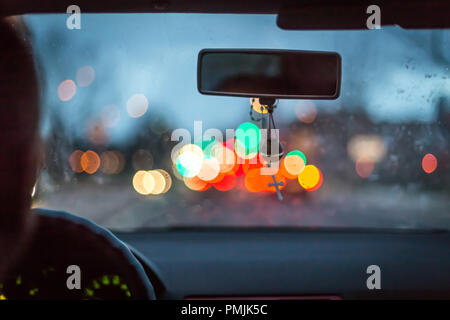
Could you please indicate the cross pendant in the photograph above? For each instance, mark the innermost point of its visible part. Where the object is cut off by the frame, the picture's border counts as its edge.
(276, 184)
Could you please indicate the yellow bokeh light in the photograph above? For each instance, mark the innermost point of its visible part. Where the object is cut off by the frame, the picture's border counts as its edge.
(371, 147)
(143, 182)
(159, 182)
(167, 179)
(152, 182)
(149, 182)
(309, 177)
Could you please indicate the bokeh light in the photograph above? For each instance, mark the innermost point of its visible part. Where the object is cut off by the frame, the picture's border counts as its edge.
(66, 90)
(254, 181)
(142, 160)
(167, 180)
(90, 162)
(248, 137)
(298, 153)
(310, 178)
(189, 162)
(75, 161)
(254, 162)
(97, 135)
(429, 163)
(210, 169)
(225, 157)
(217, 179)
(137, 105)
(371, 147)
(85, 76)
(112, 162)
(364, 167)
(268, 179)
(192, 148)
(196, 184)
(176, 173)
(227, 183)
(306, 111)
(291, 166)
(143, 182)
(159, 182)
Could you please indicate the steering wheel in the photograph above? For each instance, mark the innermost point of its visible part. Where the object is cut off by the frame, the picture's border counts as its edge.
(70, 257)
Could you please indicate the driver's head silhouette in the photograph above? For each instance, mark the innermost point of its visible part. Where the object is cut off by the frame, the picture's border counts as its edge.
(19, 115)
(30, 242)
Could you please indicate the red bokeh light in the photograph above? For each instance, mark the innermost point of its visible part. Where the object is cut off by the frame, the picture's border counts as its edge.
(429, 163)
(227, 183)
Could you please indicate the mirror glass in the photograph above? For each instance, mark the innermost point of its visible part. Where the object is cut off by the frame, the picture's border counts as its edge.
(270, 73)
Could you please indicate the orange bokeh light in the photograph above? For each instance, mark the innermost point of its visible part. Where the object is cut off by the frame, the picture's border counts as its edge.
(75, 161)
(257, 182)
(254, 181)
(429, 163)
(196, 184)
(90, 162)
(267, 179)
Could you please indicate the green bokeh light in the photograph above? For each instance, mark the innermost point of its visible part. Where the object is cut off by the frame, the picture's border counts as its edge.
(248, 137)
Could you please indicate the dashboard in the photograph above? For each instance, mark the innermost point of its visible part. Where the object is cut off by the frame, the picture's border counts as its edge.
(293, 264)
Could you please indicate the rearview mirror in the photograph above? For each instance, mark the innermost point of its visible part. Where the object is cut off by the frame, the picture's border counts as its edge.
(282, 74)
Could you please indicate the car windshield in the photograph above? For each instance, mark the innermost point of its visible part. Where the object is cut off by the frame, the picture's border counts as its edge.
(115, 91)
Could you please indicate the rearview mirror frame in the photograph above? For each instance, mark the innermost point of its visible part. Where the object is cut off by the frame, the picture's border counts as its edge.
(266, 51)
